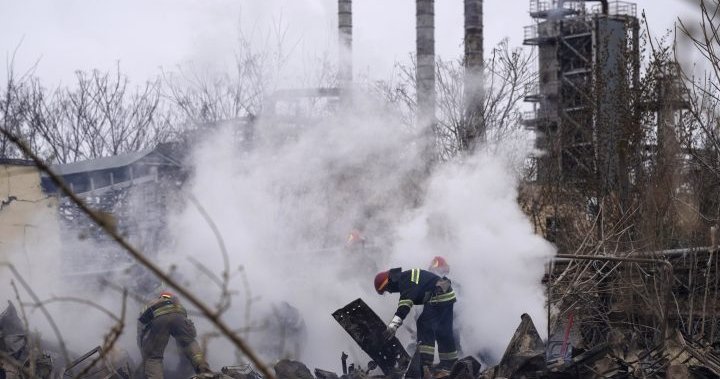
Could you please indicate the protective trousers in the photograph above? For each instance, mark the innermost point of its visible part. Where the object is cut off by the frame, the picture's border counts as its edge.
(156, 338)
(435, 324)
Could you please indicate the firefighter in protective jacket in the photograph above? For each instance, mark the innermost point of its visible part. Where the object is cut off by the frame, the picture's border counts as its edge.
(161, 318)
(435, 323)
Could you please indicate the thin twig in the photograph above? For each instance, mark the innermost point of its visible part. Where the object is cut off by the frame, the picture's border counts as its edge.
(110, 339)
(31, 355)
(225, 298)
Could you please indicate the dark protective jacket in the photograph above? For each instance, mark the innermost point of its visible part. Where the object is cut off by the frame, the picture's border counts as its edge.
(161, 319)
(417, 287)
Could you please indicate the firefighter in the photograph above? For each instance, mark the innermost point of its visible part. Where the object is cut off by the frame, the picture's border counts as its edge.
(440, 267)
(355, 240)
(161, 318)
(435, 323)
(359, 260)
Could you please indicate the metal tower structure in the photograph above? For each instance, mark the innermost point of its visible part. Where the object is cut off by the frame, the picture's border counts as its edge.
(588, 65)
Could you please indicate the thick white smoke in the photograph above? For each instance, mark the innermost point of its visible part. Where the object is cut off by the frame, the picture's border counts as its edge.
(471, 217)
(61, 268)
(284, 211)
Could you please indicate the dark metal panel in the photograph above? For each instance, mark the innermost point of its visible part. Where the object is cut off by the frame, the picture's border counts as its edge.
(366, 328)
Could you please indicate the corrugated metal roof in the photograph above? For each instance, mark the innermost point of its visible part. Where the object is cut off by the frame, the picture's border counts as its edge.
(100, 163)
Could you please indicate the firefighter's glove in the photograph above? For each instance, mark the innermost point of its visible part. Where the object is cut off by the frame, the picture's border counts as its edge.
(392, 328)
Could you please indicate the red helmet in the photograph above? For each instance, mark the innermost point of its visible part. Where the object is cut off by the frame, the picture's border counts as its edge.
(439, 266)
(381, 281)
(354, 238)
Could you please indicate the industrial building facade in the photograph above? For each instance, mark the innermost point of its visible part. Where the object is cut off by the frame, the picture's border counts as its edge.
(588, 59)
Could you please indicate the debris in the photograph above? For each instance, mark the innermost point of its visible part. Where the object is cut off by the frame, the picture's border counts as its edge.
(12, 332)
(13, 344)
(287, 369)
(73, 364)
(525, 353)
(366, 328)
(322, 374)
(466, 368)
(241, 372)
(104, 370)
(343, 359)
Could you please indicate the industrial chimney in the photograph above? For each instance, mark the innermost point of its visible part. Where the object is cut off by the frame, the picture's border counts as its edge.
(345, 74)
(425, 75)
(474, 128)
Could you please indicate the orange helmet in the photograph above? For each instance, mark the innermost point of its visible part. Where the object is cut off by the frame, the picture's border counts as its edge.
(439, 266)
(381, 281)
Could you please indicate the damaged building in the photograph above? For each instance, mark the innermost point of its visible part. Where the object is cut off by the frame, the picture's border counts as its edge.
(28, 215)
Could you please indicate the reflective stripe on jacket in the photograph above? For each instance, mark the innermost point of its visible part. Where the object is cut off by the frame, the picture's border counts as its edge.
(417, 287)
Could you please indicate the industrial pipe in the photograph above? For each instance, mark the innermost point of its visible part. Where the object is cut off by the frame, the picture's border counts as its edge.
(345, 74)
(474, 127)
(425, 50)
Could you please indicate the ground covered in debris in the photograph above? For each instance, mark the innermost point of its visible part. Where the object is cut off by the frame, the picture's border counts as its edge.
(525, 357)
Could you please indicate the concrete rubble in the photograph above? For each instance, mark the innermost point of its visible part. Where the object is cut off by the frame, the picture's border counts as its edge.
(15, 350)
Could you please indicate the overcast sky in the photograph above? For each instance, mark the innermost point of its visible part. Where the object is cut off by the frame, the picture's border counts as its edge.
(145, 35)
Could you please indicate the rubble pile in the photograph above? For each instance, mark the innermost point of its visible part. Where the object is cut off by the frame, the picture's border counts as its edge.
(526, 356)
(18, 355)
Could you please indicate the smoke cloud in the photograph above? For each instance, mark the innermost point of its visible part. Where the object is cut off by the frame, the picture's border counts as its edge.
(471, 217)
(285, 210)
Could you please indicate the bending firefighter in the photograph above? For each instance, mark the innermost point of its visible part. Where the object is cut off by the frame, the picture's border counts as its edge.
(160, 319)
(435, 323)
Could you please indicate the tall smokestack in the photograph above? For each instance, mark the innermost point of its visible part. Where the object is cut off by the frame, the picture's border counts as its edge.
(425, 75)
(474, 128)
(345, 74)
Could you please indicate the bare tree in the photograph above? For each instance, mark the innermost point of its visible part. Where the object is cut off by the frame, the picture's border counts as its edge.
(700, 135)
(13, 109)
(201, 97)
(508, 71)
(100, 115)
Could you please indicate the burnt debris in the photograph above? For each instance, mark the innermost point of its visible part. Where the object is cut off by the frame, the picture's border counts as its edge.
(366, 328)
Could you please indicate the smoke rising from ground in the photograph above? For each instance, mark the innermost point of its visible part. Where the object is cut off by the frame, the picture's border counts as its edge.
(470, 216)
(285, 210)
(60, 263)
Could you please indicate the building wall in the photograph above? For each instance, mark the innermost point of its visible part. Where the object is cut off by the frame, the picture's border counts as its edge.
(28, 217)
